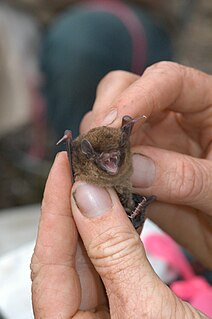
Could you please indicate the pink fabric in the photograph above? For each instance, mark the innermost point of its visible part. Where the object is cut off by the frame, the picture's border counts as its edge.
(194, 289)
(165, 248)
(133, 25)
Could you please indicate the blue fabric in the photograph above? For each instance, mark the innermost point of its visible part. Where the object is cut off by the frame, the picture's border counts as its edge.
(79, 48)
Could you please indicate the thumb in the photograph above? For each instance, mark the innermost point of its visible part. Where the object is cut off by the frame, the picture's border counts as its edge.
(114, 248)
(173, 177)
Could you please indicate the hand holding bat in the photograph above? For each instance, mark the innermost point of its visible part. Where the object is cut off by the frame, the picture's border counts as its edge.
(66, 274)
(102, 157)
(171, 159)
(172, 150)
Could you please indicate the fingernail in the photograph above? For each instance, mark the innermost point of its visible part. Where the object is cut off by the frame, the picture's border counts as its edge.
(91, 200)
(110, 118)
(143, 171)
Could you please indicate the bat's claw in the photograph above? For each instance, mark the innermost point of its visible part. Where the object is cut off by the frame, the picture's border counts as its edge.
(137, 216)
(66, 137)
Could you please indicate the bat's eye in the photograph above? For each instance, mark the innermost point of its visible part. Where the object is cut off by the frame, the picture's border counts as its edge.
(109, 162)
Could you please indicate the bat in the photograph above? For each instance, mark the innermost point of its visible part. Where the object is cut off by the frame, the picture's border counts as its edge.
(103, 157)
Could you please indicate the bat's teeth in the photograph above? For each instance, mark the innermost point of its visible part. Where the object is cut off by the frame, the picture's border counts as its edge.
(112, 165)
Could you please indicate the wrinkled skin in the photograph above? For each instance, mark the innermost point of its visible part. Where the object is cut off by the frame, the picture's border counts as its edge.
(178, 101)
(66, 273)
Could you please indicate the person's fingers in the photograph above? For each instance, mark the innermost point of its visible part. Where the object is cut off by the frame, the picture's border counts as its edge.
(173, 177)
(165, 85)
(85, 124)
(113, 84)
(115, 250)
(54, 278)
(189, 227)
(92, 290)
(168, 85)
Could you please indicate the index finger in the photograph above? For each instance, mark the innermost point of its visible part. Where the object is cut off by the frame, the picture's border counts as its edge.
(166, 85)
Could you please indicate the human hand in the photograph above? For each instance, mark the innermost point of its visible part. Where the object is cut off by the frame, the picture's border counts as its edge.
(65, 279)
(174, 149)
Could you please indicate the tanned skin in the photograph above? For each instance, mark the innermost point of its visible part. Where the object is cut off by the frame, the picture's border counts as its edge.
(103, 157)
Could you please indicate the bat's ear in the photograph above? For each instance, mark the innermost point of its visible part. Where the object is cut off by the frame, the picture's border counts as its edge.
(87, 148)
(126, 127)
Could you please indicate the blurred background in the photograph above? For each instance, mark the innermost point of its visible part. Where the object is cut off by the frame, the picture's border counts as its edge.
(26, 143)
(27, 136)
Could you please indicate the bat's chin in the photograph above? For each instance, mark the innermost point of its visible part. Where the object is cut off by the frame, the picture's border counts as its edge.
(112, 170)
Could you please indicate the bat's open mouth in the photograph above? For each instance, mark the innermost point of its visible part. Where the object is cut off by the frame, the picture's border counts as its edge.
(109, 162)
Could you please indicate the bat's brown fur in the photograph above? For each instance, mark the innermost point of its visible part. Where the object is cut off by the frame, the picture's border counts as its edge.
(104, 139)
(103, 157)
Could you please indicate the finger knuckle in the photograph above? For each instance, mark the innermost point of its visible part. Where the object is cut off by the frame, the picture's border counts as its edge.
(114, 250)
(188, 181)
(165, 67)
(168, 75)
(168, 70)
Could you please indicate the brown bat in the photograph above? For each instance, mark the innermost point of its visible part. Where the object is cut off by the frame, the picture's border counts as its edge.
(103, 157)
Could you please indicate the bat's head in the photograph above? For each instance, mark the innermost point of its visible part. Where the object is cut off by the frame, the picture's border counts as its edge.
(104, 152)
(100, 153)
(105, 159)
